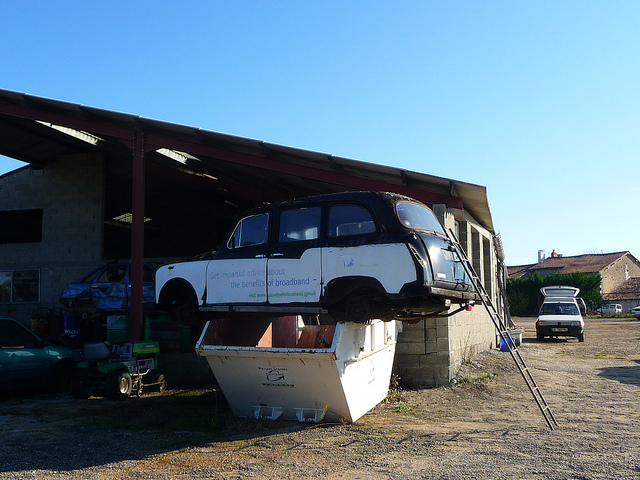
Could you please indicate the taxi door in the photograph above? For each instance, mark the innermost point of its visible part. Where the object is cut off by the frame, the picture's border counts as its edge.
(294, 268)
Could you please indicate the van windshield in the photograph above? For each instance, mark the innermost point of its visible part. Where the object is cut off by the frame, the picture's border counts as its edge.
(559, 309)
(418, 217)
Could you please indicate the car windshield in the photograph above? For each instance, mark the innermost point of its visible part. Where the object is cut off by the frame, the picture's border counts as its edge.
(417, 217)
(559, 309)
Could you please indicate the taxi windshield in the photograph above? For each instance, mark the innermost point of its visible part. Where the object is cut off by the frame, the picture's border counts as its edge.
(418, 217)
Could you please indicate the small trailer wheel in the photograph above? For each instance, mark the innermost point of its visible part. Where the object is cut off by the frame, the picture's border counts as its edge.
(156, 381)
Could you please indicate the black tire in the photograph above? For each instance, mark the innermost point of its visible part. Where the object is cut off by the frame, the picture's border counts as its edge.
(581, 337)
(358, 309)
(117, 385)
(156, 381)
(181, 302)
(81, 387)
(162, 383)
(539, 337)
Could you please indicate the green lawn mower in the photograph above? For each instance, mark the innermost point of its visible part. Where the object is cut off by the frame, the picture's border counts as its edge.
(118, 371)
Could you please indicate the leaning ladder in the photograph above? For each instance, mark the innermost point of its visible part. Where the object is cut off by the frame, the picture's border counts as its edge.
(505, 336)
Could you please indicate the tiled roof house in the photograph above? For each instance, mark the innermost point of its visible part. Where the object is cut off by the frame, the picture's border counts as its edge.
(627, 293)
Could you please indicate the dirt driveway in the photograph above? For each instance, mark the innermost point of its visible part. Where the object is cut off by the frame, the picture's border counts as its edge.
(486, 426)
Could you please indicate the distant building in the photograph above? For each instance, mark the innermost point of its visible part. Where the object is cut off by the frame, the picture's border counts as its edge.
(620, 272)
(627, 294)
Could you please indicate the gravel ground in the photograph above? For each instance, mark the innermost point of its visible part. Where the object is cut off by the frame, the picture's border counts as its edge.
(485, 426)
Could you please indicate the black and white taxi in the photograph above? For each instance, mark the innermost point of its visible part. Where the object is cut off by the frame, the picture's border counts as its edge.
(352, 255)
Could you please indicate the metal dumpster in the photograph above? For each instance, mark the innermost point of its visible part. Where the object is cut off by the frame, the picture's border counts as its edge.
(282, 368)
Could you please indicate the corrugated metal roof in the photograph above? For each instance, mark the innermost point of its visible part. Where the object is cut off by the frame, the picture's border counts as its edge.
(235, 161)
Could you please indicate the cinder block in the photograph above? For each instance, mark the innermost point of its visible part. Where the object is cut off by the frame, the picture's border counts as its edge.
(410, 348)
(432, 334)
(411, 337)
(443, 344)
(407, 360)
(417, 377)
(442, 322)
(436, 359)
(430, 323)
(442, 332)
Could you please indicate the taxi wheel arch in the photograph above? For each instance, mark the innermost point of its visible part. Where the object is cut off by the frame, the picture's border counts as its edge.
(179, 299)
(355, 299)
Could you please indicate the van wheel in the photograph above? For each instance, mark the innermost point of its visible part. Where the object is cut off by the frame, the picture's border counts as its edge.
(539, 337)
(581, 337)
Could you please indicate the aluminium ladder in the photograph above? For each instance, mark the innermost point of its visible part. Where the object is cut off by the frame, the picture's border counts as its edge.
(505, 336)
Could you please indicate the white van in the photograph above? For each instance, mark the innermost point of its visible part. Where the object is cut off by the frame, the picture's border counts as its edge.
(560, 314)
(611, 308)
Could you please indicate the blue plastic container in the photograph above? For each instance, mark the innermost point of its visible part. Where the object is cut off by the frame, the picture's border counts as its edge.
(503, 345)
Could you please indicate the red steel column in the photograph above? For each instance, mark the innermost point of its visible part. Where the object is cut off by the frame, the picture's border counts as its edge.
(137, 235)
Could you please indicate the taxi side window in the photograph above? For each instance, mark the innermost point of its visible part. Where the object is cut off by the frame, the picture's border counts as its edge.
(299, 224)
(251, 230)
(347, 220)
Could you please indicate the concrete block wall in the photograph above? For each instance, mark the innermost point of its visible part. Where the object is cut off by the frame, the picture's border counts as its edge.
(70, 191)
(429, 353)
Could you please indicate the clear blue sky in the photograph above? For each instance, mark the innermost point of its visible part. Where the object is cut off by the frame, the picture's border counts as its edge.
(537, 101)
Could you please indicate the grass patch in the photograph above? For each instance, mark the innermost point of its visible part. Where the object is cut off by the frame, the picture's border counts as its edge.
(406, 408)
(487, 377)
(601, 355)
(482, 379)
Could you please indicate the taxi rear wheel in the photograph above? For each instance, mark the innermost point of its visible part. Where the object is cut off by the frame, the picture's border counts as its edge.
(358, 309)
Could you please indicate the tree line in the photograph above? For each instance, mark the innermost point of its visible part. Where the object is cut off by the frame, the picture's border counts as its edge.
(525, 297)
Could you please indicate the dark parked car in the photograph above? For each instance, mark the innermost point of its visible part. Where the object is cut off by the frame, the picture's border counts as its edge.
(28, 361)
(355, 255)
(107, 288)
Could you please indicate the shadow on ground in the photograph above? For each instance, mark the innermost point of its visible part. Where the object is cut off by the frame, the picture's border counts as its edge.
(629, 374)
(36, 427)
